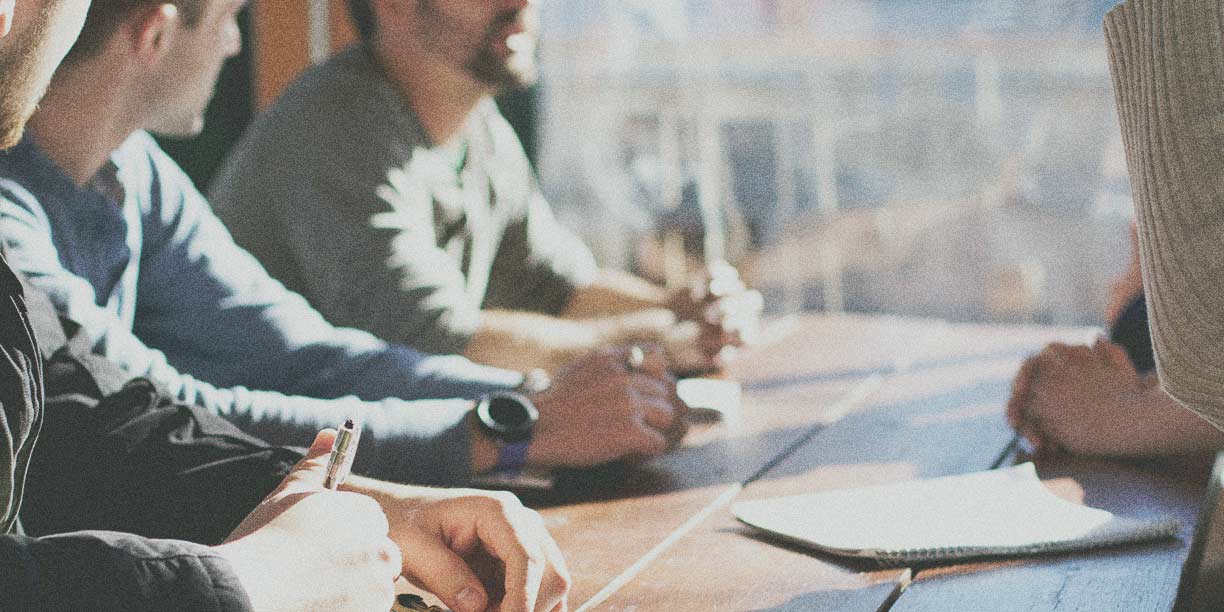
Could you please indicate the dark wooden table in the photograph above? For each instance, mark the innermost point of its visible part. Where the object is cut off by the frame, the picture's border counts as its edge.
(846, 401)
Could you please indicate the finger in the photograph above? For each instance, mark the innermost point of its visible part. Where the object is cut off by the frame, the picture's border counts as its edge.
(1020, 392)
(655, 362)
(554, 591)
(714, 336)
(389, 553)
(647, 440)
(521, 557)
(444, 573)
(1035, 438)
(740, 305)
(655, 403)
(675, 434)
(646, 387)
(658, 414)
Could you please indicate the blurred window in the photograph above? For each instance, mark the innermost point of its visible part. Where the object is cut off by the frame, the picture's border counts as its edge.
(957, 159)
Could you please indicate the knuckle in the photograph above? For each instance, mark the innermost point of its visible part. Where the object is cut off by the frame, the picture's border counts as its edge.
(389, 554)
(370, 513)
(533, 518)
(505, 502)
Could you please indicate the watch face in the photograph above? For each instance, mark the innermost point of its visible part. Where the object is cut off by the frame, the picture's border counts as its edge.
(508, 417)
(508, 412)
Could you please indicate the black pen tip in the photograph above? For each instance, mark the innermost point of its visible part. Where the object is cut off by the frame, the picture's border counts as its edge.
(348, 424)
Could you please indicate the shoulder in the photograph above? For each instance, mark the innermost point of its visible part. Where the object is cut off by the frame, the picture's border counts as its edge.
(27, 178)
(345, 99)
(339, 120)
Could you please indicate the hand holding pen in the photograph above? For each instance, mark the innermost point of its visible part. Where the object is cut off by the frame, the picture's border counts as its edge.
(307, 548)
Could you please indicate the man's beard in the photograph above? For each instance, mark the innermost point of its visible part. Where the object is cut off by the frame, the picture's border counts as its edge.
(18, 92)
(20, 87)
(514, 72)
(484, 63)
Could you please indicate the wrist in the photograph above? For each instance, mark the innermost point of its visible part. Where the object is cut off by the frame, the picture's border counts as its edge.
(484, 449)
(508, 420)
(248, 567)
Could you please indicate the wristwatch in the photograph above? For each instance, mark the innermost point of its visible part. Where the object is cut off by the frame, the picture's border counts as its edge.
(509, 419)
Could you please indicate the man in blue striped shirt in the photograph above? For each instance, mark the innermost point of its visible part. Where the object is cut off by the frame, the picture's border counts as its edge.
(93, 213)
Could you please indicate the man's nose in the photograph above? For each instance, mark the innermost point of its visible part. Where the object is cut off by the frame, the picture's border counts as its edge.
(515, 5)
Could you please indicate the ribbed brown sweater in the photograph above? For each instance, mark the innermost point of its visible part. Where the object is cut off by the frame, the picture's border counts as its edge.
(1167, 62)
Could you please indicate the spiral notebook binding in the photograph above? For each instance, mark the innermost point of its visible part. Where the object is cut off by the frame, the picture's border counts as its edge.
(1116, 533)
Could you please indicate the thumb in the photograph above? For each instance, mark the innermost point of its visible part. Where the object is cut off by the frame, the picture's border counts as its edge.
(440, 571)
(311, 471)
(321, 446)
(1116, 356)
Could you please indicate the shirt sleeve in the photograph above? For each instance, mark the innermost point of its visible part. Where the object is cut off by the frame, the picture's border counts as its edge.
(1167, 63)
(226, 320)
(113, 572)
(382, 270)
(540, 262)
(214, 312)
(422, 441)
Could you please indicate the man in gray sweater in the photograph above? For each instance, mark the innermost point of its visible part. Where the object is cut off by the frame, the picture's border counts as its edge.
(386, 187)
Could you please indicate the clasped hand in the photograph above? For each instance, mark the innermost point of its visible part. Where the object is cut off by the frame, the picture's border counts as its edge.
(717, 314)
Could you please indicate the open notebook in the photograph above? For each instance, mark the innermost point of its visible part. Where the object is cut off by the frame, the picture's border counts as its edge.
(1002, 512)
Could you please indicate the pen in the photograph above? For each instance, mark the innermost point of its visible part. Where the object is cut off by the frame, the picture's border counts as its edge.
(344, 448)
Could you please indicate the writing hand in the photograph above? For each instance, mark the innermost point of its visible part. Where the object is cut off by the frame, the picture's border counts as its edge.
(306, 548)
(476, 550)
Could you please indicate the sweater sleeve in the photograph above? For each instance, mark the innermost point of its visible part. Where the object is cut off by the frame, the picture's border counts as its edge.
(1167, 65)
(105, 571)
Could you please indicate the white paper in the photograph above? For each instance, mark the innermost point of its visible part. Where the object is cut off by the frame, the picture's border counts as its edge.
(715, 398)
(997, 512)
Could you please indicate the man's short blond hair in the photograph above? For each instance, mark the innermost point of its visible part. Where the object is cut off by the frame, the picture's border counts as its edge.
(105, 17)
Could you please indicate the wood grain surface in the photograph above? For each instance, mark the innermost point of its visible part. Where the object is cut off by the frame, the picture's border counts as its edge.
(848, 401)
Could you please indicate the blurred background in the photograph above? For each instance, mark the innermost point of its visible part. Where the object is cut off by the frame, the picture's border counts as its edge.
(952, 159)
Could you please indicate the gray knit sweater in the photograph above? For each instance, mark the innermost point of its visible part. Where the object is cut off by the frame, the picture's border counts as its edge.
(1167, 61)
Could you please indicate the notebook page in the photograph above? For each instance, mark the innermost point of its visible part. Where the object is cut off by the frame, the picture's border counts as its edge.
(996, 512)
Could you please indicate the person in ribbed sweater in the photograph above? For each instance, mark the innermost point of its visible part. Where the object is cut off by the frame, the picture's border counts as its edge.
(1167, 65)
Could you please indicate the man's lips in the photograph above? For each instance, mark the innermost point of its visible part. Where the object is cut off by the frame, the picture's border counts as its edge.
(516, 36)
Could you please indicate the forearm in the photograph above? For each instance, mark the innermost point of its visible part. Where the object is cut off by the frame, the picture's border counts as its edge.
(424, 441)
(614, 293)
(1167, 78)
(521, 340)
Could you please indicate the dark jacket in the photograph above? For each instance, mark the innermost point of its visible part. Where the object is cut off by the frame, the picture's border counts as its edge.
(113, 454)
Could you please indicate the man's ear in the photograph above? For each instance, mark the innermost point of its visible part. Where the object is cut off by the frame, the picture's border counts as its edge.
(152, 32)
(387, 12)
